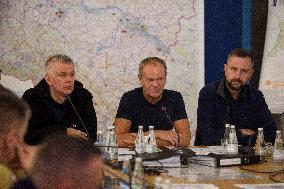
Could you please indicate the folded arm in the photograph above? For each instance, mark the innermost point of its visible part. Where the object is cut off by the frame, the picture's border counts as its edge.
(179, 137)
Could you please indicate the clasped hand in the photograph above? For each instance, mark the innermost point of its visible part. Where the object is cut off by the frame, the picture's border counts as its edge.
(77, 133)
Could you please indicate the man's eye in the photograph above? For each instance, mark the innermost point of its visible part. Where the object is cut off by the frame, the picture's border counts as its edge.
(244, 71)
(62, 74)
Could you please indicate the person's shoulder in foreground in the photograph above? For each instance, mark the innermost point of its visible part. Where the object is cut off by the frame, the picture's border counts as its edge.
(14, 116)
(66, 162)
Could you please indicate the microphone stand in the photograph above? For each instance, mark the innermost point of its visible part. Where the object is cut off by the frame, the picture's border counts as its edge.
(81, 121)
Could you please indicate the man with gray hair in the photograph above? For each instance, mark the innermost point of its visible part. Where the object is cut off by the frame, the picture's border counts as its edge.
(152, 105)
(60, 103)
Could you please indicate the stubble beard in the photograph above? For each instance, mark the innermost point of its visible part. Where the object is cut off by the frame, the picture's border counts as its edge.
(231, 85)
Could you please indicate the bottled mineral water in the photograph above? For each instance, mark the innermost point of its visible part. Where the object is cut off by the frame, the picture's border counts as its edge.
(151, 144)
(126, 168)
(100, 142)
(225, 139)
(109, 129)
(137, 181)
(100, 138)
(232, 147)
(112, 149)
(139, 142)
(260, 143)
(278, 152)
(278, 144)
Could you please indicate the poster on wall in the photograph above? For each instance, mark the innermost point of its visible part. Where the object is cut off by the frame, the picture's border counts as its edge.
(272, 72)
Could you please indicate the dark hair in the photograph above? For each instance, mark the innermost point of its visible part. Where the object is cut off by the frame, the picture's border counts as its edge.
(62, 157)
(13, 110)
(241, 53)
(152, 60)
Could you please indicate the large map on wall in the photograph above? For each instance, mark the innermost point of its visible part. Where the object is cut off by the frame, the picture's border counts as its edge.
(272, 77)
(107, 40)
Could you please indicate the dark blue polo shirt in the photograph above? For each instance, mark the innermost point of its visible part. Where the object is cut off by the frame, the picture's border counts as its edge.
(134, 107)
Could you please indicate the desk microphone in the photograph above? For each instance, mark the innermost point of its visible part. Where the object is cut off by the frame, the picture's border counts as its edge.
(164, 109)
(75, 110)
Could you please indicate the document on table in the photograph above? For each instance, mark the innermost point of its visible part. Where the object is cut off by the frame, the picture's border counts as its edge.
(207, 150)
(124, 152)
(173, 161)
(261, 186)
(194, 186)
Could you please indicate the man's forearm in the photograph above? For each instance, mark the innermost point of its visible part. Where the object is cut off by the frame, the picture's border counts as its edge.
(126, 140)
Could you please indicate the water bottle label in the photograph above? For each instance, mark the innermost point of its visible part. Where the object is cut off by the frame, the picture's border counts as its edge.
(232, 149)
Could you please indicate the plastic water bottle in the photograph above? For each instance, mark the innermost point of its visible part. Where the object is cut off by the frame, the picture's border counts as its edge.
(225, 139)
(109, 129)
(112, 149)
(151, 144)
(139, 142)
(278, 152)
(232, 147)
(137, 181)
(260, 143)
(126, 168)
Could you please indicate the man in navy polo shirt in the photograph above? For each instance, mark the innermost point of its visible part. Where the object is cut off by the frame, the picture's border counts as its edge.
(152, 105)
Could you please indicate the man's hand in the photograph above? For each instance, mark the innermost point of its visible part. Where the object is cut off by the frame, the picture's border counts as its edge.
(76, 133)
(168, 136)
(247, 132)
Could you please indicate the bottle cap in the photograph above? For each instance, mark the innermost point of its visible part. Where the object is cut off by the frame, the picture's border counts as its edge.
(227, 125)
(151, 127)
(140, 127)
(232, 126)
(260, 129)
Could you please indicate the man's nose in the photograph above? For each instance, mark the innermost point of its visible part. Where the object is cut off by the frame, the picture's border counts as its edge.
(69, 78)
(155, 83)
(238, 74)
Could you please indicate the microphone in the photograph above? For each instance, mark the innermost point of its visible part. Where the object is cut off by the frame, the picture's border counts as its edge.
(75, 110)
(164, 109)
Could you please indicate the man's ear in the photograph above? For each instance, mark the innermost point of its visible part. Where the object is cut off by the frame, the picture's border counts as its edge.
(47, 79)
(225, 67)
(252, 71)
(11, 138)
(140, 78)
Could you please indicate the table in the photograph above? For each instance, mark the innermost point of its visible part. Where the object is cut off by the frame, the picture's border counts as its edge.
(224, 177)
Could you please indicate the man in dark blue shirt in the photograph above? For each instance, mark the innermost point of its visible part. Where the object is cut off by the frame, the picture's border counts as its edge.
(152, 105)
(233, 101)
